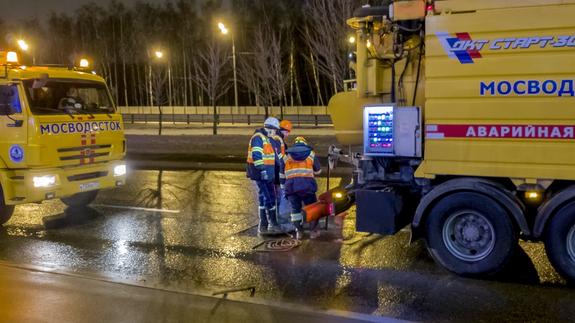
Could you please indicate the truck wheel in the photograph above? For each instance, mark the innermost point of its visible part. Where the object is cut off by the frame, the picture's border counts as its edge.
(6, 212)
(80, 199)
(470, 234)
(560, 242)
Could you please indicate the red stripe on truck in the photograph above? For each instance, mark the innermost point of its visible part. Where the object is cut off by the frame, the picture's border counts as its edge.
(501, 131)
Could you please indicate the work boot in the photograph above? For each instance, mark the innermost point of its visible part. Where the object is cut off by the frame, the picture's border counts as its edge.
(298, 230)
(273, 226)
(274, 229)
(263, 230)
(298, 234)
(263, 225)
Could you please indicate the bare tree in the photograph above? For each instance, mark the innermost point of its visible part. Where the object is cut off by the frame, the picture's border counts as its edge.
(306, 38)
(211, 67)
(265, 74)
(248, 77)
(326, 35)
(159, 79)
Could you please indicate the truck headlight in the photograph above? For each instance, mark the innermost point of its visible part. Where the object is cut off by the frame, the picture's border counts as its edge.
(44, 181)
(120, 170)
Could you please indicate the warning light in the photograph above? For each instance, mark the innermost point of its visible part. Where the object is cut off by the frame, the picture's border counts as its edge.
(12, 57)
(532, 195)
(430, 8)
(84, 63)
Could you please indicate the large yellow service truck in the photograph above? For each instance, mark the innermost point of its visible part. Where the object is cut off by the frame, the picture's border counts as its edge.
(461, 122)
(60, 135)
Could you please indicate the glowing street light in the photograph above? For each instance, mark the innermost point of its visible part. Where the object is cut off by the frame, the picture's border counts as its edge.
(158, 54)
(23, 45)
(351, 40)
(224, 30)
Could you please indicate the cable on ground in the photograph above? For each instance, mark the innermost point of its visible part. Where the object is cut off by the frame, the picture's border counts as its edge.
(277, 245)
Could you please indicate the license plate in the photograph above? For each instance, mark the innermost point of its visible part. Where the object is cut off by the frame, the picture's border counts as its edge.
(89, 186)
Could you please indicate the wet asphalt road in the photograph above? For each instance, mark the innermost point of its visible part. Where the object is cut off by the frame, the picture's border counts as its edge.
(194, 231)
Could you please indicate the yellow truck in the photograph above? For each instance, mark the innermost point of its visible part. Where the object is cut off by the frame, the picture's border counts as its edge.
(461, 122)
(60, 135)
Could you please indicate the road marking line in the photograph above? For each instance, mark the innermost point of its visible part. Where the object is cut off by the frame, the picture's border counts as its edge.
(136, 208)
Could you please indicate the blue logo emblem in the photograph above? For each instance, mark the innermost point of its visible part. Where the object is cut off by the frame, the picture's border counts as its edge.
(16, 153)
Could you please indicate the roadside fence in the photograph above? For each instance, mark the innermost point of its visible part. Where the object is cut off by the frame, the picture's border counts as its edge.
(316, 115)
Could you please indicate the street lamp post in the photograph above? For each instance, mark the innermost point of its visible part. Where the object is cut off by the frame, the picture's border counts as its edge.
(235, 72)
(159, 55)
(25, 47)
(225, 31)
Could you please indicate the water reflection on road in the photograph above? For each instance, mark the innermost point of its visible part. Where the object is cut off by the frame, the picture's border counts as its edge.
(195, 230)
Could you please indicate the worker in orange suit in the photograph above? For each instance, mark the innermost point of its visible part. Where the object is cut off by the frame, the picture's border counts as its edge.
(301, 167)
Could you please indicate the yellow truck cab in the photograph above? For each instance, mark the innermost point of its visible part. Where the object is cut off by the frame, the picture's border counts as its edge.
(461, 123)
(60, 135)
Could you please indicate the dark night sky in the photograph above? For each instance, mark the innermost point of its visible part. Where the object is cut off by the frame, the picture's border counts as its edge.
(12, 10)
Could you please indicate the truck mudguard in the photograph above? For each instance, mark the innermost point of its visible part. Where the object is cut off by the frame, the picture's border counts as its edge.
(550, 207)
(488, 188)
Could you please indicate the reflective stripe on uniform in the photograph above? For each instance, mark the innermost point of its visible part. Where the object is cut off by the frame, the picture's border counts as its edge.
(296, 217)
(267, 151)
(299, 172)
(304, 168)
(282, 151)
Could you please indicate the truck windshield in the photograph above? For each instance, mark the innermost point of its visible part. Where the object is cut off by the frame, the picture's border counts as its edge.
(67, 96)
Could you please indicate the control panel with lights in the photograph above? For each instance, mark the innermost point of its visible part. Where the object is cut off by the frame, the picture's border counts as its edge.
(392, 131)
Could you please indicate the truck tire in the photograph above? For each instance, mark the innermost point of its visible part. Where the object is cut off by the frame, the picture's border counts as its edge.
(560, 242)
(80, 199)
(470, 234)
(6, 212)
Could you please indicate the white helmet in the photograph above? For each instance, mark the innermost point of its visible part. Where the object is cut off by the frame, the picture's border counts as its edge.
(272, 123)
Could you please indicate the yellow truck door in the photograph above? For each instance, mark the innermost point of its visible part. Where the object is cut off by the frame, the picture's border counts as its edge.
(13, 128)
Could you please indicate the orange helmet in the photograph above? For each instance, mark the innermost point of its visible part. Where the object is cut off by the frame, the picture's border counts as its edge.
(286, 125)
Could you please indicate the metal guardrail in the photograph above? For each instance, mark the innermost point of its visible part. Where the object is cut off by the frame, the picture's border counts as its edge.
(223, 110)
(224, 118)
(241, 115)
